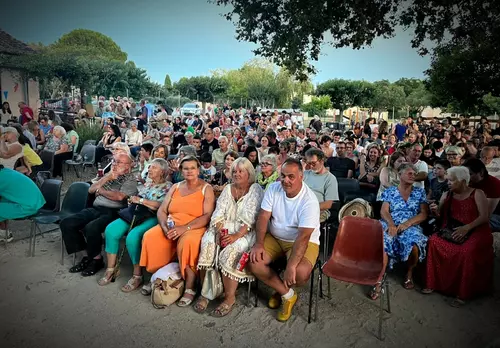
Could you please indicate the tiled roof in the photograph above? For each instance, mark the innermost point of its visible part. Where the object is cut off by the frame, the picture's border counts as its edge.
(9, 45)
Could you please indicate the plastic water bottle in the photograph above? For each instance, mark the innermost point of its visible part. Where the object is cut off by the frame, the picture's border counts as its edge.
(170, 222)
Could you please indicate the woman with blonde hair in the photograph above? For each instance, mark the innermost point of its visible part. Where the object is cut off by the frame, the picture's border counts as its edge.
(454, 154)
(237, 209)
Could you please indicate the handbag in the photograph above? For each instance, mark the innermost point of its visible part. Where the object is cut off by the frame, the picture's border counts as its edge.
(140, 211)
(166, 292)
(447, 231)
(212, 284)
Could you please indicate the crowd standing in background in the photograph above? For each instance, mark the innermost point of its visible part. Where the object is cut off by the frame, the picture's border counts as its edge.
(268, 181)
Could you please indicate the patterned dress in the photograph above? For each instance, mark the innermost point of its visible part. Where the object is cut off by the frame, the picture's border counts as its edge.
(399, 247)
(233, 214)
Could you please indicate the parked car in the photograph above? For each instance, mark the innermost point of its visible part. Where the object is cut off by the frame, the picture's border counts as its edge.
(190, 108)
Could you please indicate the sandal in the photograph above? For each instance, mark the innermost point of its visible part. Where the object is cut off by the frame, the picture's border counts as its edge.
(457, 303)
(132, 284)
(374, 293)
(109, 277)
(185, 300)
(201, 305)
(223, 310)
(408, 284)
(146, 289)
(427, 291)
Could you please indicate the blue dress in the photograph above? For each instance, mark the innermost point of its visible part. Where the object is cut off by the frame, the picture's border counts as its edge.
(399, 247)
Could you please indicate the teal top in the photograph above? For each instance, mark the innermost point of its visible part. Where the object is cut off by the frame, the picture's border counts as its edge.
(69, 135)
(20, 189)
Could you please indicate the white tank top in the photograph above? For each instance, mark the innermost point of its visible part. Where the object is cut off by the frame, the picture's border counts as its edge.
(11, 162)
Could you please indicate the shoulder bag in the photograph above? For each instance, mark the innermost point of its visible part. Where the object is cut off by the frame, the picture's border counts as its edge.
(212, 284)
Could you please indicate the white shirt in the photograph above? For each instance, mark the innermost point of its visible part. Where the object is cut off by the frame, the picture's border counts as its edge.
(288, 214)
(421, 167)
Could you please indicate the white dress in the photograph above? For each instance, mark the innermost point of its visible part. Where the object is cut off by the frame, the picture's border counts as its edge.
(233, 214)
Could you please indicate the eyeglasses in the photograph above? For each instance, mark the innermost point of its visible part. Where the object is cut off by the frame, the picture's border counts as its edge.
(451, 155)
(115, 163)
(265, 164)
(312, 164)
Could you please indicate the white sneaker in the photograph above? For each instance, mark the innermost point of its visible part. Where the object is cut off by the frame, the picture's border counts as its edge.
(10, 237)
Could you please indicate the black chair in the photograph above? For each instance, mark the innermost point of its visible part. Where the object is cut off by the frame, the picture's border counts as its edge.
(47, 158)
(74, 201)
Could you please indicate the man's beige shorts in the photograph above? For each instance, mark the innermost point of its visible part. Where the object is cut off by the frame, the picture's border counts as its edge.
(277, 248)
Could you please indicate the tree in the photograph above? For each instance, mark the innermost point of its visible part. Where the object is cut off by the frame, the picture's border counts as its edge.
(202, 88)
(168, 83)
(318, 106)
(92, 43)
(291, 32)
(387, 96)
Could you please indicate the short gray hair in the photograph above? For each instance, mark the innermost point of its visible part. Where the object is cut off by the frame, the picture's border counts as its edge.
(271, 159)
(59, 129)
(223, 137)
(188, 134)
(188, 150)
(461, 173)
(163, 164)
(244, 163)
(133, 123)
(457, 149)
(405, 166)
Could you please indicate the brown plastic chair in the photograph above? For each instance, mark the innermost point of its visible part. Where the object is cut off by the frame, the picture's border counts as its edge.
(357, 257)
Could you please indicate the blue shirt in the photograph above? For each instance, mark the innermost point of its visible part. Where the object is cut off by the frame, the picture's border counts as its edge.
(400, 132)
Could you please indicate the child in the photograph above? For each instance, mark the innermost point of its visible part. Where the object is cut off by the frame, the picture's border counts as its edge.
(207, 169)
(439, 184)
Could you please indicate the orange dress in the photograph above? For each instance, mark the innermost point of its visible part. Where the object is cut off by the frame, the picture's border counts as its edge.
(158, 250)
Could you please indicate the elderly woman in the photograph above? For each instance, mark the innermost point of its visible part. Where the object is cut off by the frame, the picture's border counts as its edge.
(10, 148)
(268, 171)
(264, 146)
(404, 208)
(223, 177)
(59, 144)
(219, 154)
(150, 196)
(454, 155)
(189, 205)
(236, 210)
(389, 175)
(463, 268)
(133, 138)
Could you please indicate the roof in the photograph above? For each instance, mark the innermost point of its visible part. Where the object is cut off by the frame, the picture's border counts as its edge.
(10, 45)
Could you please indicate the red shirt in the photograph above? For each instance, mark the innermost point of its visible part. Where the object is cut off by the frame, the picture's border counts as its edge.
(29, 111)
(489, 185)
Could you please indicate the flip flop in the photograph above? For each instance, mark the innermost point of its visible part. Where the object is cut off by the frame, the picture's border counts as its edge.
(146, 289)
(201, 305)
(223, 310)
(427, 291)
(408, 284)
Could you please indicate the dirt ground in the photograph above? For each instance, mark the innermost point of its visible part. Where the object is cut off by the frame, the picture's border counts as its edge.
(42, 305)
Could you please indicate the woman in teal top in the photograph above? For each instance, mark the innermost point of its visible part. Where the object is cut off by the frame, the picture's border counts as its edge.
(19, 198)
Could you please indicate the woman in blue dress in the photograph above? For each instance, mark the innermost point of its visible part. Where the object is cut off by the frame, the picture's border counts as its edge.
(404, 208)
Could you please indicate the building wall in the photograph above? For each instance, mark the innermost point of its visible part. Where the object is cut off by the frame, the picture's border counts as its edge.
(15, 89)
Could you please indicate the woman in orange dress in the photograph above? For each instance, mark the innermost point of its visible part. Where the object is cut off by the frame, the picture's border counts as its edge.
(189, 204)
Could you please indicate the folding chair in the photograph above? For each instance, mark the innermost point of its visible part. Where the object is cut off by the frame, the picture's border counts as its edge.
(47, 158)
(86, 158)
(358, 257)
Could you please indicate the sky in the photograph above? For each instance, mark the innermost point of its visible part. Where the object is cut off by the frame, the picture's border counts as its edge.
(190, 38)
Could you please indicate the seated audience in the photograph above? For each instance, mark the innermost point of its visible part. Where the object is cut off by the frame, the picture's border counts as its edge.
(145, 159)
(439, 184)
(252, 155)
(150, 195)
(236, 210)
(320, 181)
(463, 270)
(290, 210)
(219, 154)
(403, 210)
(454, 155)
(422, 170)
(207, 169)
(58, 143)
(340, 165)
(112, 136)
(389, 175)
(133, 138)
(189, 204)
(20, 198)
(224, 176)
(369, 168)
(268, 171)
(160, 151)
(111, 191)
(491, 163)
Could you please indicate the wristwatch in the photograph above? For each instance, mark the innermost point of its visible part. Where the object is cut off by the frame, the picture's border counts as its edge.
(188, 227)
(141, 201)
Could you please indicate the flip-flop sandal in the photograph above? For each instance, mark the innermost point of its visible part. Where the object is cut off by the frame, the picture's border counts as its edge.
(457, 303)
(109, 277)
(223, 310)
(408, 284)
(186, 301)
(132, 284)
(375, 294)
(427, 291)
(201, 305)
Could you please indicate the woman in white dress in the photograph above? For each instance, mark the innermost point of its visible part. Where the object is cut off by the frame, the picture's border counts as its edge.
(236, 210)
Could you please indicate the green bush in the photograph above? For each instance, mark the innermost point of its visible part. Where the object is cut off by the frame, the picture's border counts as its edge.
(88, 132)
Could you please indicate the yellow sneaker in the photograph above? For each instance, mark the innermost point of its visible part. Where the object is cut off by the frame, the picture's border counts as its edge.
(274, 301)
(286, 308)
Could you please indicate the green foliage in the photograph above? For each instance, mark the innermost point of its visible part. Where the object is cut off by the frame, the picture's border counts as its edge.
(88, 132)
(202, 88)
(168, 82)
(93, 43)
(492, 103)
(346, 93)
(318, 106)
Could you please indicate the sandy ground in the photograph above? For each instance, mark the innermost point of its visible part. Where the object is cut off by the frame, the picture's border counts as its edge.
(42, 305)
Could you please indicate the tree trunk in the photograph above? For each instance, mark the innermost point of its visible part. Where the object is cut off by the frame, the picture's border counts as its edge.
(82, 98)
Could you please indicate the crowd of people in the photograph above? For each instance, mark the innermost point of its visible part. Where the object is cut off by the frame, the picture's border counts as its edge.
(269, 181)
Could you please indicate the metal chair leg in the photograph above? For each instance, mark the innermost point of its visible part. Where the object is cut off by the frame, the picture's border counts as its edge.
(320, 291)
(256, 292)
(388, 296)
(33, 231)
(381, 315)
(62, 250)
(311, 295)
(248, 293)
